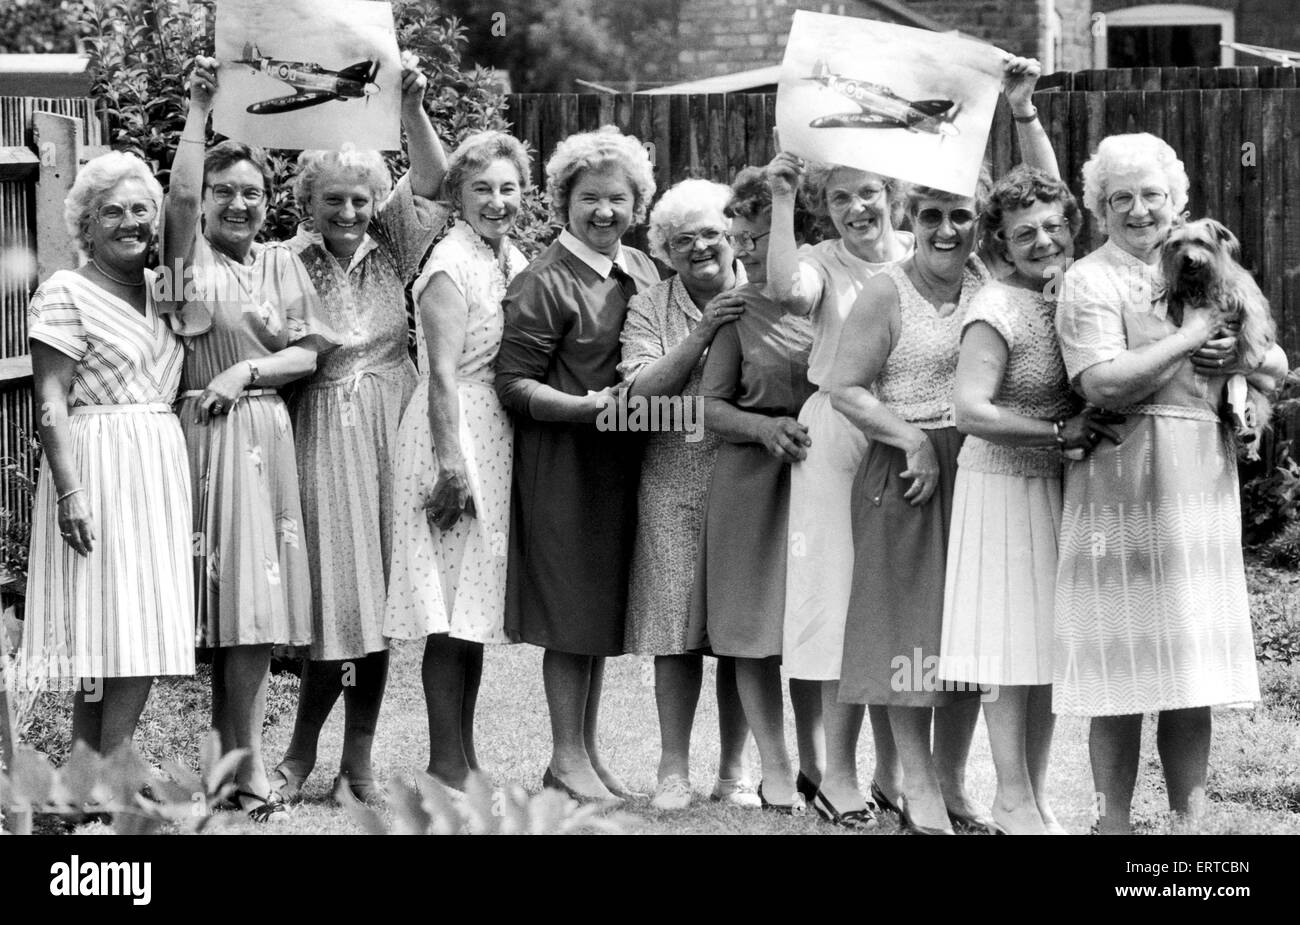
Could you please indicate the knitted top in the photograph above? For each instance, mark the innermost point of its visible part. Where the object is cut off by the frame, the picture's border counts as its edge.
(917, 380)
(1034, 383)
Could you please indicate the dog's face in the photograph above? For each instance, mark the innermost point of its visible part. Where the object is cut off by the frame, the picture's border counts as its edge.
(1198, 253)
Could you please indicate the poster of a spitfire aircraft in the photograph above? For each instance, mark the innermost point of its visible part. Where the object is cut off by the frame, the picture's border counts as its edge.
(308, 74)
(901, 102)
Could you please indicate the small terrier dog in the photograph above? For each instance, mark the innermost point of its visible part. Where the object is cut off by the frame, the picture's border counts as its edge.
(1200, 267)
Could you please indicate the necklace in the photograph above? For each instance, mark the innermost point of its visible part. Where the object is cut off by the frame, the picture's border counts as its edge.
(120, 282)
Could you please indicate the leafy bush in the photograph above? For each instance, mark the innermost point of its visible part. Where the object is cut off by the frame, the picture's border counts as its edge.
(431, 809)
(142, 50)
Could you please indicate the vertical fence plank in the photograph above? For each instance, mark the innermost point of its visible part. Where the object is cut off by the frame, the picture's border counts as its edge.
(1209, 181)
(1228, 142)
(1272, 162)
(1290, 317)
(1252, 214)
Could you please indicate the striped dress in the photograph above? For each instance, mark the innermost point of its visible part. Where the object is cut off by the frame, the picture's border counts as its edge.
(126, 609)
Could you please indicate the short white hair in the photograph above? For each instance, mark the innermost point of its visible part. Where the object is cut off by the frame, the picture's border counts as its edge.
(368, 166)
(687, 199)
(598, 150)
(94, 180)
(1126, 153)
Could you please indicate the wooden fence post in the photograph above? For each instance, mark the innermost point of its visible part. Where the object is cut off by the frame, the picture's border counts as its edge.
(58, 145)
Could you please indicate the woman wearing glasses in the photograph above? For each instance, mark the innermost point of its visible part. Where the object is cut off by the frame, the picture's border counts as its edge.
(249, 319)
(824, 282)
(110, 595)
(1151, 606)
(665, 337)
(755, 381)
(1015, 404)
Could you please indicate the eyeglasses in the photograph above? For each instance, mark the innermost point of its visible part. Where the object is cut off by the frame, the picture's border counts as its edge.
(869, 192)
(746, 242)
(114, 213)
(682, 243)
(933, 218)
(1025, 235)
(225, 195)
(1123, 201)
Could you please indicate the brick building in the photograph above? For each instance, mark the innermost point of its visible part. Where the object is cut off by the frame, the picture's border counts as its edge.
(720, 37)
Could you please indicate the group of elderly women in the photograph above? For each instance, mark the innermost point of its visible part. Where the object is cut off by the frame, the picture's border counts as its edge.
(877, 502)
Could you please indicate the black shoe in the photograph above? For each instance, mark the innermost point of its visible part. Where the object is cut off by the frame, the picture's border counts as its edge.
(806, 787)
(883, 802)
(864, 818)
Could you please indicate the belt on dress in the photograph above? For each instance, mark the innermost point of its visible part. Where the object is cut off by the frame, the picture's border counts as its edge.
(247, 393)
(1172, 411)
(152, 407)
(353, 381)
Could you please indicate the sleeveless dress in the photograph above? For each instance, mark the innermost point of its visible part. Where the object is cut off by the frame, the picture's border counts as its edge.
(1151, 605)
(675, 474)
(819, 569)
(251, 571)
(895, 615)
(127, 608)
(1001, 580)
(759, 363)
(346, 416)
(454, 581)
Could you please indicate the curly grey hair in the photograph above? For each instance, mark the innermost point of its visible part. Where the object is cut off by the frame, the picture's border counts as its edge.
(369, 166)
(94, 180)
(685, 200)
(605, 147)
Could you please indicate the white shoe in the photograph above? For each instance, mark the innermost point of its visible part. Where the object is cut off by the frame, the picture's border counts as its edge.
(736, 792)
(673, 793)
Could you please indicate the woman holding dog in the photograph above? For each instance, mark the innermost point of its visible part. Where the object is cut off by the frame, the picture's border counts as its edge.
(1151, 606)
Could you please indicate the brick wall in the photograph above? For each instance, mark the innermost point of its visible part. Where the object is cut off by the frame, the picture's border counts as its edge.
(1259, 22)
(723, 36)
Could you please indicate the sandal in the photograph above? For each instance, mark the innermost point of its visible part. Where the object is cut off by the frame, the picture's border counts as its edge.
(365, 791)
(263, 808)
(287, 784)
(864, 818)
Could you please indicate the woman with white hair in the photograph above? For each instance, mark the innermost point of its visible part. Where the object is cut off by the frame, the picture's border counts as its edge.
(110, 594)
(1151, 606)
(665, 338)
(361, 241)
(452, 497)
(574, 507)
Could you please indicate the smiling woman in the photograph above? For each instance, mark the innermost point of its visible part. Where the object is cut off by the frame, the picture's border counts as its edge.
(110, 592)
(362, 243)
(570, 545)
(251, 326)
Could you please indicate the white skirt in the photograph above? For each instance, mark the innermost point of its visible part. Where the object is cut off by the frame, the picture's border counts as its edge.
(819, 560)
(452, 581)
(1001, 582)
(126, 609)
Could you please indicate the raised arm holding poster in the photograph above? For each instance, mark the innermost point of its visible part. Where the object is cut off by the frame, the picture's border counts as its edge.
(901, 102)
(308, 74)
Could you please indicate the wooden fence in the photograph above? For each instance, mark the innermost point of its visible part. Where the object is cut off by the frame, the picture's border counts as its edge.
(1237, 139)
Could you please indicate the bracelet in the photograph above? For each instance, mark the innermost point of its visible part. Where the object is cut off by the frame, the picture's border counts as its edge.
(68, 494)
(193, 141)
(1056, 430)
(1033, 116)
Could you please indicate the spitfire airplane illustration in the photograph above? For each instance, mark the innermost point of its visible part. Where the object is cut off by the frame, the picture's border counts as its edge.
(311, 83)
(880, 107)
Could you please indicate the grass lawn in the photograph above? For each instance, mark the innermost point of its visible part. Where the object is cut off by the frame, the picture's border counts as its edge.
(1254, 764)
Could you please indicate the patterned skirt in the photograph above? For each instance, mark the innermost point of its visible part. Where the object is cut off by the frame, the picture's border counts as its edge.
(1151, 605)
(126, 609)
(250, 565)
(452, 581)
(346, 434)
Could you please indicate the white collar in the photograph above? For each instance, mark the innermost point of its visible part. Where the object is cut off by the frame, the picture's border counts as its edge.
(592, 258)
(310, 236)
